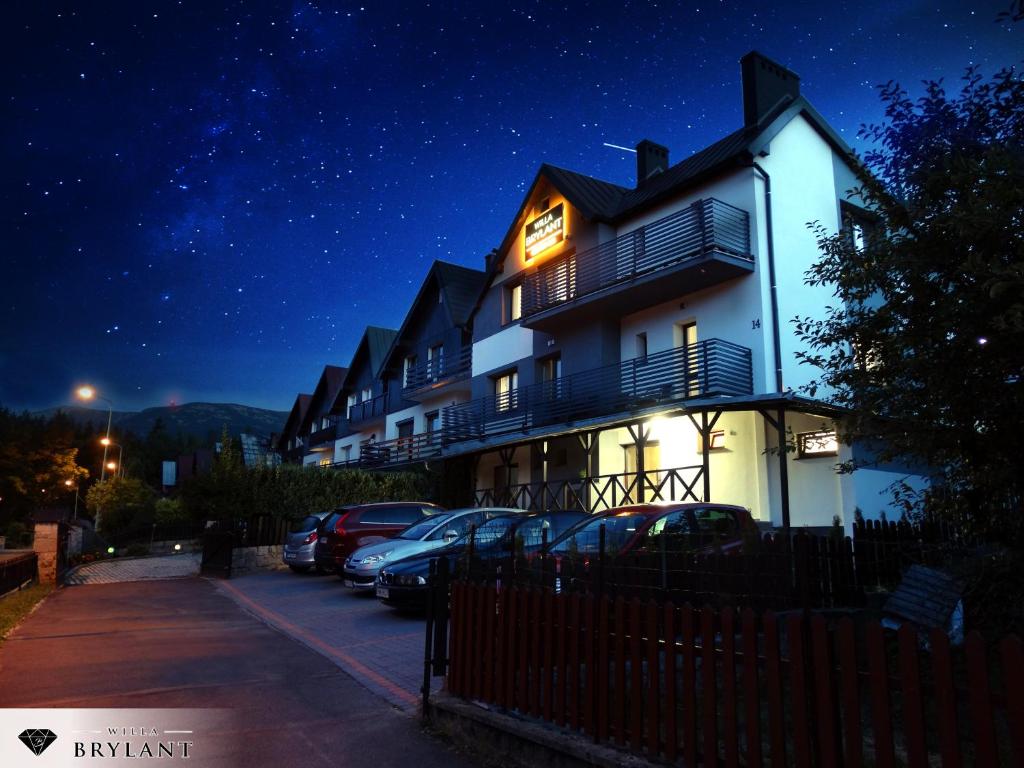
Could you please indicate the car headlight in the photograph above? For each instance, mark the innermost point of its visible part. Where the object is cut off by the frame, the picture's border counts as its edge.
(379, 557)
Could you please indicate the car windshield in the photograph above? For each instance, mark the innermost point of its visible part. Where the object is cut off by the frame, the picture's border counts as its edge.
(618, 530)
(417, 531)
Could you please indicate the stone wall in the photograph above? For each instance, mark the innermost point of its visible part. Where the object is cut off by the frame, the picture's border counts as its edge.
(49, 538)
(248, 559)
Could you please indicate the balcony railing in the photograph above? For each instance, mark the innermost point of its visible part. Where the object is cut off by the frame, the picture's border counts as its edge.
(707, 368)
(704, 228)
(440, 370)
(325, 434)
(374, 408)
(401, 450)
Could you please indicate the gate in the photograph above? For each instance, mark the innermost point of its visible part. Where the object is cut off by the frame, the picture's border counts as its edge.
(218, 546)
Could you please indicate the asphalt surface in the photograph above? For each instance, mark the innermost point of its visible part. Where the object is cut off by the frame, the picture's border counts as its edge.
(379, 646)
(184, 643)
(136, 569)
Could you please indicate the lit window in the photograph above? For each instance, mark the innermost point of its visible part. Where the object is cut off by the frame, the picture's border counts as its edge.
(813, 444)
(505, 391)
(513, 308)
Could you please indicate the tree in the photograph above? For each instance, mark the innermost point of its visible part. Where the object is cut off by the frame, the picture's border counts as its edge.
(120, 503)
(924, 344)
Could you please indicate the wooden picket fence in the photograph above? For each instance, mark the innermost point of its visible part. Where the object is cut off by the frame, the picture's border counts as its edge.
(693, 686)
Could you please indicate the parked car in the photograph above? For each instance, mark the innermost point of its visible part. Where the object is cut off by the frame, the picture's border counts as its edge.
(301, 541)
(404, 583)
(431, 533)
(672, 528)
(348, 528)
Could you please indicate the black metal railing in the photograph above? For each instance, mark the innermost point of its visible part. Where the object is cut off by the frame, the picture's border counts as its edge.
(374, 408)
(401, 450)
(439, 370)
(17, 570)
(600, 492)
(325, 434)
(706, 227)
(707, 368)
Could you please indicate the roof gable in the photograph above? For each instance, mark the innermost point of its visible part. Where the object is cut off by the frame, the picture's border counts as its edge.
(294, 420)
(370, 352)
(323, 396)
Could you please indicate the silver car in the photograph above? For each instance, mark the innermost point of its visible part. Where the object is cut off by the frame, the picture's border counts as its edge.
(301, 541)
(360, 570)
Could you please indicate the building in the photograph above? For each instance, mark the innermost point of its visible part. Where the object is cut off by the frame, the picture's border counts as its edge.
(635, 344)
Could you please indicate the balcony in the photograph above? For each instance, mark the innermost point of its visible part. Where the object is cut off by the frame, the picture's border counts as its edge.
(401, 450)
(708, 368)
(368, 410)
(703, 244)
(432, 375)
(328, 434)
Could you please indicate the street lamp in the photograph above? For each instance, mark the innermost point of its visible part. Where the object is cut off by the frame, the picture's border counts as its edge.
(106, 442)
(70, 484)
(89, 393)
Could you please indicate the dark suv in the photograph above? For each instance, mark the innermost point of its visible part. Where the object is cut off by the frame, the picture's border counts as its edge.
(347, 528)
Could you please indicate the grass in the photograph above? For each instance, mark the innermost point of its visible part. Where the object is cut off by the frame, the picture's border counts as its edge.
(16, 606)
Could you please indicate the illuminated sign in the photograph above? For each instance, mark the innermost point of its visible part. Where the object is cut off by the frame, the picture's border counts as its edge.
(545, 231)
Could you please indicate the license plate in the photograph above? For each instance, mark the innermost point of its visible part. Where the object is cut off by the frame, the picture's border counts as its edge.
(383, 592)
(349, 583)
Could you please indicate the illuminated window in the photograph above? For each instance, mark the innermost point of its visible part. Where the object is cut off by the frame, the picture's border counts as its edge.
(506, 391)
(810, 445)
(512, 309)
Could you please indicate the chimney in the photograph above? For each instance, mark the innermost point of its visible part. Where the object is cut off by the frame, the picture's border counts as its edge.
(765, 85)
(651, 159)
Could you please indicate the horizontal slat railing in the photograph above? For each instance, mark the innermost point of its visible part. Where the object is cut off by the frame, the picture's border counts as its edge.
(446, 368)
(401, 450)
(373, 408)
(711, 367)
(707, 226)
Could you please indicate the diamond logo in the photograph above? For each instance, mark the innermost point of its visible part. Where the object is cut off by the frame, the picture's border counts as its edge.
(37, 739)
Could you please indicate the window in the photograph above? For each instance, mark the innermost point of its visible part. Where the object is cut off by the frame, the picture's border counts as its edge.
(685, 338)
(512, 309)
(346, 453)
(350, 401)
(652, 457)
(391, 516)
(641, 345)
(506, 392)
(810, 445)
(432, 423)
(550, 373)
(367, 393)
(858, 225)
(407, 368)
(435, 362)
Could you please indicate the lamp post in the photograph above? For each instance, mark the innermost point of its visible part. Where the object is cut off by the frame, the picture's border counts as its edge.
(89, 393)
(69, 484)
(107, 442)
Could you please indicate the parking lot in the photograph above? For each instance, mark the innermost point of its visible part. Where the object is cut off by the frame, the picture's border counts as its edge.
(380, 647)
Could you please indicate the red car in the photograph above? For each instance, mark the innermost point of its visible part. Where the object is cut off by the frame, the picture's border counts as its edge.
(347, 529)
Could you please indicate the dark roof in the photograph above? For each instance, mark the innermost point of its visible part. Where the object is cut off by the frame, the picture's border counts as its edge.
(295, 418)
(460, 287)
(323, 396)
(51, 515)
(373, 348)
(600, 200)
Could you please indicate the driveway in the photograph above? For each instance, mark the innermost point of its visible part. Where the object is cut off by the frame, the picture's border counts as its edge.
(136, 569)
(380, 647)
(184, 643)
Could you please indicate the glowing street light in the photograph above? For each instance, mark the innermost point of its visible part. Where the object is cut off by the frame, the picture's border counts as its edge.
(106, 442)
(111, 465)
(86, 392)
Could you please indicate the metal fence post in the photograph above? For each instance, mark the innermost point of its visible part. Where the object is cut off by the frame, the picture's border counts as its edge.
(428, 649)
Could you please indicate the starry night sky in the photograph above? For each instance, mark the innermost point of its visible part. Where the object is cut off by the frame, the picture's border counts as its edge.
(209, 201)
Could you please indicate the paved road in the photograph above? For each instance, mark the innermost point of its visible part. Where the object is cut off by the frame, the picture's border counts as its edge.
(137, 569)
(380, 647)
(183, 643)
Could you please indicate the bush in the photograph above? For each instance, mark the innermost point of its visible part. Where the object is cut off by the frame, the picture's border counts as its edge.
(137, 550)
(167, 511)
(292, 491)
(120, 503)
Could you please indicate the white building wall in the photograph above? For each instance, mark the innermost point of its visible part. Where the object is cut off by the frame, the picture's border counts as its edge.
(417, 413)
(503, 349)
(800, 163)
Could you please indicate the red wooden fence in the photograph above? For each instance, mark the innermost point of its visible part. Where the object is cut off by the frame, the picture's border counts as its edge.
(705, 687)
